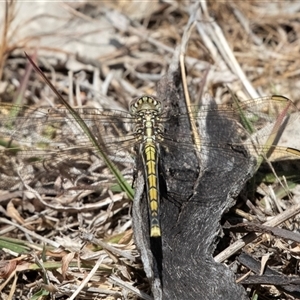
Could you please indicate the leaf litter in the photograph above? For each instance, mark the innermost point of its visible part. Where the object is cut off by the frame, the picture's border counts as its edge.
(102, 56)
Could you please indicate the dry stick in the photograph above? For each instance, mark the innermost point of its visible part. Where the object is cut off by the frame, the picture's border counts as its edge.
(13, 287)
(218, 38)
(144, 35)
(245, 23)
(11, 275)
(185, 39)
(213, 51)
(275, 221)
(7, 229)
(86, 207)
(31, 233)
(107, 247)
(87, 278)
(129, 287)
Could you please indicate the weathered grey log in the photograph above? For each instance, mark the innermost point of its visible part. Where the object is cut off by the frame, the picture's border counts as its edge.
(195, 192)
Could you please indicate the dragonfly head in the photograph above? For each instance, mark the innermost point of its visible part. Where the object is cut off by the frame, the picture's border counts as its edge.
(145, 103)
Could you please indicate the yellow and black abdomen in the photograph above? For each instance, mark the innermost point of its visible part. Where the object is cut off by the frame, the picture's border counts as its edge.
(150, 161)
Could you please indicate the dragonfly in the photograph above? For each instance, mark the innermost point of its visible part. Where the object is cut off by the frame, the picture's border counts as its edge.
(51, 139)
(63, 141)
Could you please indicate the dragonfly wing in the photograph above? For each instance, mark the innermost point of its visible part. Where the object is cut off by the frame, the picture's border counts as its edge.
(51, 141)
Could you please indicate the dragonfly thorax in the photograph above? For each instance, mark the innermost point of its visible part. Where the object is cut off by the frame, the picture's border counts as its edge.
(146, 111)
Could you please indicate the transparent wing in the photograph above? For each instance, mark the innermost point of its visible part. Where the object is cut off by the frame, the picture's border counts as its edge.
(227, 134)
(49, 141)
(259, 125)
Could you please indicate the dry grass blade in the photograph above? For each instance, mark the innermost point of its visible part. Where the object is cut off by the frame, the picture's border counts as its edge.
(9, 11)
(279, 219)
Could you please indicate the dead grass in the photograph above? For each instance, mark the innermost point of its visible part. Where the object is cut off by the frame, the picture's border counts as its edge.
(105, 56)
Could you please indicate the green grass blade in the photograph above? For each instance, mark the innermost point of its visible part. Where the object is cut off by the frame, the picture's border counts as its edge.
(269, 144)
(121, 180)
(246, 123)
